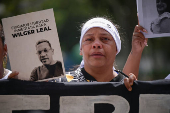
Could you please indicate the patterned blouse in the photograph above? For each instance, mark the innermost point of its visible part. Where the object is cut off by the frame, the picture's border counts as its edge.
(80, 75)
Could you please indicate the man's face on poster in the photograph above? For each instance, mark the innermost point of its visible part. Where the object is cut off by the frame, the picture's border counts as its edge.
(45, 53)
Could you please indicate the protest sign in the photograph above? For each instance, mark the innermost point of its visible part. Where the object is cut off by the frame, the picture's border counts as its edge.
(96, 97)
(33, 45)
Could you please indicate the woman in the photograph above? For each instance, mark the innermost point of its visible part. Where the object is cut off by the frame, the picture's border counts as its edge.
(162, 23)
(99, 44)
(4, 73)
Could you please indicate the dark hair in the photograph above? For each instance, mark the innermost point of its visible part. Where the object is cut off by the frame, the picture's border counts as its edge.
(2, 34)
(43, 40)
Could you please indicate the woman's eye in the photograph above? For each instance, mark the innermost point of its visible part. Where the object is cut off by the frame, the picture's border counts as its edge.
(88, 39)
(104, 38)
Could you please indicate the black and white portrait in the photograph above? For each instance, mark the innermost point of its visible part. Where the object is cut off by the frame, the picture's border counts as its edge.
(50, 67)
(162, 23)
(154, 16)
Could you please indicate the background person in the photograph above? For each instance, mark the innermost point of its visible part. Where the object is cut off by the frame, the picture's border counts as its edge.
(50, 67)
(4, 73)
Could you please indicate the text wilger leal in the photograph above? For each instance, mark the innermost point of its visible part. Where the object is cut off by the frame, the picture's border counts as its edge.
(30, 28)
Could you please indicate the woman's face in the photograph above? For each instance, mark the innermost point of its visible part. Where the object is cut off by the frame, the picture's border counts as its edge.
(98, 48)
(161, 6)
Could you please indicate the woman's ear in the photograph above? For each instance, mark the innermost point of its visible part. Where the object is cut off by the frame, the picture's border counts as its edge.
(116, 49)
(81, 52)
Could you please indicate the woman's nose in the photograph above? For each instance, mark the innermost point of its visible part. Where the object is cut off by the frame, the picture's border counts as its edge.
(97, 44)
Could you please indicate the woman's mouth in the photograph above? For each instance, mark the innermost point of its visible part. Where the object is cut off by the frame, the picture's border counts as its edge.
(97, 54)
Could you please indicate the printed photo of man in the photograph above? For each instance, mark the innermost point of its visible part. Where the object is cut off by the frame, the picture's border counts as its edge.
(50, 67)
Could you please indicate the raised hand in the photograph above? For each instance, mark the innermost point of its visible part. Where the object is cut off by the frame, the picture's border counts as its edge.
(138, 39)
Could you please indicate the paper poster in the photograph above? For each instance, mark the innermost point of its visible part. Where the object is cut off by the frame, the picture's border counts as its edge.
(33, 45)
(154, 16)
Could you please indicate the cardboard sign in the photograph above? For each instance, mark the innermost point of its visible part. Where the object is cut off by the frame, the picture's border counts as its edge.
(33, 45)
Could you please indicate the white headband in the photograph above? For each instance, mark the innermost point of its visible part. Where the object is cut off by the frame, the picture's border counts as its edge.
(105, 24)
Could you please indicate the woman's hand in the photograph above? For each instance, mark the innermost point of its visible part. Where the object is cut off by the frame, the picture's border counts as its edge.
(129, 81)
(138, 39)
(13, 75)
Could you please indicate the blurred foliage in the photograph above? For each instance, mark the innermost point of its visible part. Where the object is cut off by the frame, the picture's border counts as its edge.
(69, 16)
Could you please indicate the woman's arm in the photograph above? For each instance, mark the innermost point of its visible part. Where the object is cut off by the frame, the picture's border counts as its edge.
(138, 44)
